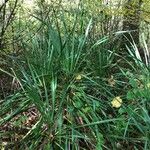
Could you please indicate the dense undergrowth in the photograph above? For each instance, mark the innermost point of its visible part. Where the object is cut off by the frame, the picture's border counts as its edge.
(70, 92)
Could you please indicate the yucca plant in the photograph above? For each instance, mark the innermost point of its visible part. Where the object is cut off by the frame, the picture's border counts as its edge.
(53, 80)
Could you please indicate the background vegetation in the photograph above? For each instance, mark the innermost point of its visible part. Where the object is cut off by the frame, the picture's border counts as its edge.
(75, 74)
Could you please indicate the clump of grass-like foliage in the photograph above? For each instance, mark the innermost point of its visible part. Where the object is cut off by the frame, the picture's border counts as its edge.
(74, 93)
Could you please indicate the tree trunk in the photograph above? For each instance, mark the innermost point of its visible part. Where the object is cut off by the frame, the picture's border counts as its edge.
(131, 21)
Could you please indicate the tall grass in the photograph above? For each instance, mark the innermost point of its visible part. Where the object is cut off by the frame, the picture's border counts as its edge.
(67, 83)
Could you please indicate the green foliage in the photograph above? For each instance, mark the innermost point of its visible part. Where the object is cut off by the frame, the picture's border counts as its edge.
(67, 76)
